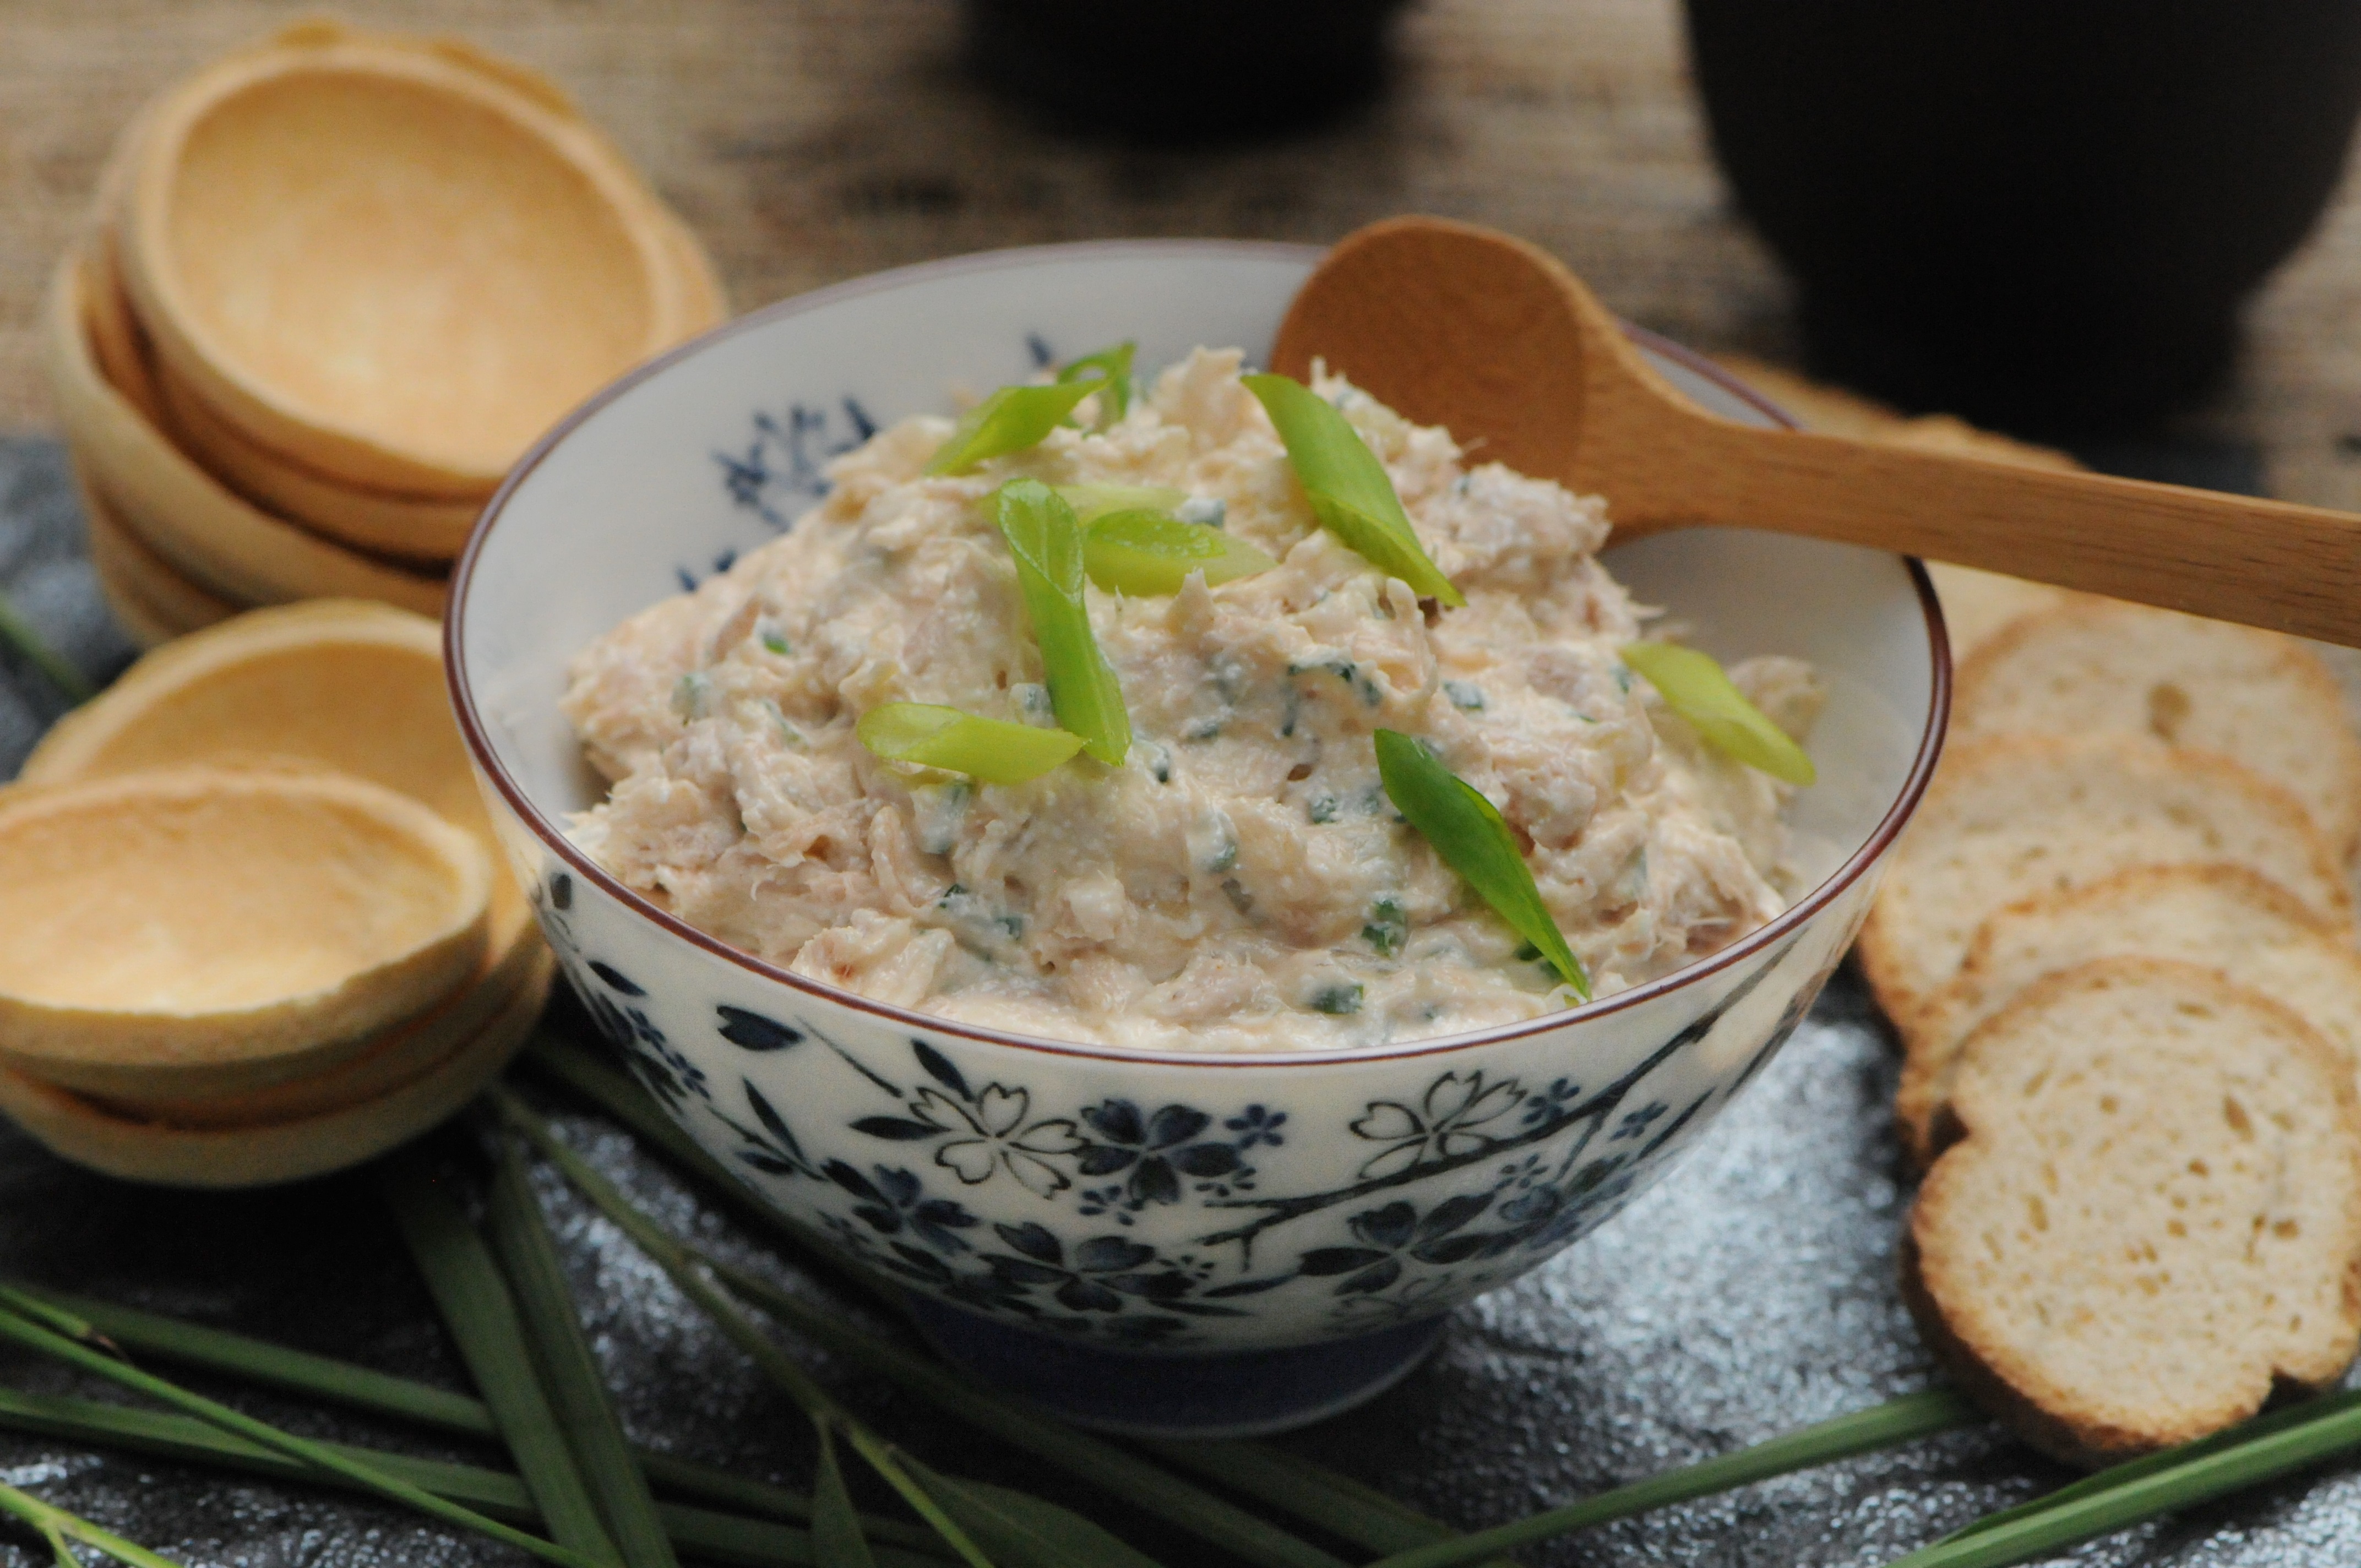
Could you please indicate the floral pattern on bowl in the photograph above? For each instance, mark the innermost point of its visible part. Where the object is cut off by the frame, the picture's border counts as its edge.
(1208, 1217)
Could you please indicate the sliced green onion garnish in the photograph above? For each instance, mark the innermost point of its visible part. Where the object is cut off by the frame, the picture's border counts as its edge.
(1092, 503)
(1047, 539)
(1149, 552)
(1011, 420)
(1472, 840)
(1350, 493)
(991, 750)
(1015, 418)
(1699, 690)
(1112, 367)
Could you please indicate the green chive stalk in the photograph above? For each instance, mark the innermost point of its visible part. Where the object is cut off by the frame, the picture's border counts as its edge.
(18, 633)
(1696, 687)
(476, 1306)
(1906, 1420)
(689, 1277)
(1466, 831)
(994, 750)
(1145, 1486)
(31, 1335)
(702, 1532)
(2132, 1494)
(570, 1374)
(1348, 487)
(58, 1527)
(379, 1393)
(270, 1366)
(1312, 1492)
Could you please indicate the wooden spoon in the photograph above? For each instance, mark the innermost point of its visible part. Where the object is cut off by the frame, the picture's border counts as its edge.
(1469, 328)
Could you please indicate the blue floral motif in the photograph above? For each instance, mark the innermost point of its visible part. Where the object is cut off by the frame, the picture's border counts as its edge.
(775, 1150)
(1549, 1104)
(1638, 1122)
(976, 1134)
(660, 1066)
(1446, 1126)
(1468, 1181)
(1101, 1275)
(1257, 1125)
(1156, 1150)
(754, 1032)
(1397, 1231)
(894, 1202)
(783, 467)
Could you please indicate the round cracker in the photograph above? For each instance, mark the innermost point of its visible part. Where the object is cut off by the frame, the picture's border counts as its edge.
(2221, 918)
(2263, 700)
(202, 916)
(154, 601)
(345, 684)
(265, 1155)
(277, 187)
(183, 512)
(2018, 817)
(416, 528)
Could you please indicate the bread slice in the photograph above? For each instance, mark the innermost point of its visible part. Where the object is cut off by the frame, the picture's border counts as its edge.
(2154, 1217)
(2014, 818)
(1978, 606)
(2226, 918)
(2254, 696)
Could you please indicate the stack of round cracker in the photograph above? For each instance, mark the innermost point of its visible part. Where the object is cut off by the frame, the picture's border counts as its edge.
(252, 923)
(2118, 944)
(333, 285)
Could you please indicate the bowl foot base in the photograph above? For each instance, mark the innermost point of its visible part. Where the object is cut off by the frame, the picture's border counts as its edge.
(1244, 1392)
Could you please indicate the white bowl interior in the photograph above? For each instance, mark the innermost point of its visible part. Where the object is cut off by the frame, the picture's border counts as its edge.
(708, 454)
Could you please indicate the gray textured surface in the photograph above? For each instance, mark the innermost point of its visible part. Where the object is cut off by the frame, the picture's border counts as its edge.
(1751, 1293)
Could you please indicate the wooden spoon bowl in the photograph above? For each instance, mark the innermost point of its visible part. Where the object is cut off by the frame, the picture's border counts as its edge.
(1493, 338)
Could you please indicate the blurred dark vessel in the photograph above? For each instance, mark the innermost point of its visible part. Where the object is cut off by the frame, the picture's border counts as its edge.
(1185, 71)
(2039, 214)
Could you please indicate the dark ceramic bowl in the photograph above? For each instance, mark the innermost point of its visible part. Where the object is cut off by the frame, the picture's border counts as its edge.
(2039, 214)
(1203, 71)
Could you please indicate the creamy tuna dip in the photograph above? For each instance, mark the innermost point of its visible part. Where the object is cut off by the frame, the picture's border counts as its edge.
(1241, 881)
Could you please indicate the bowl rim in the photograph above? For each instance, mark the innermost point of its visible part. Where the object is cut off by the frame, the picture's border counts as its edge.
(1789, 920)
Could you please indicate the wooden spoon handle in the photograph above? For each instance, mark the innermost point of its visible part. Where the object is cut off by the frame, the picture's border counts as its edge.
(2270, 564)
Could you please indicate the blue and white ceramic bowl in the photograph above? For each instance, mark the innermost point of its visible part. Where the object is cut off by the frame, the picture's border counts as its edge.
(1152, 1243)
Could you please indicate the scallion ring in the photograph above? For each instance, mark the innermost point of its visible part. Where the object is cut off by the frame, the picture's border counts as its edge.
(1697, 688)
(1347, 486)
(1047, 539)
(1466, 831)
(1092, 502)
(1111, 366)
(933, 736)
(1147, 554)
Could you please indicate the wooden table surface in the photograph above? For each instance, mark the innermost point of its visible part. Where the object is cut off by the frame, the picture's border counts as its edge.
(810, 140)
